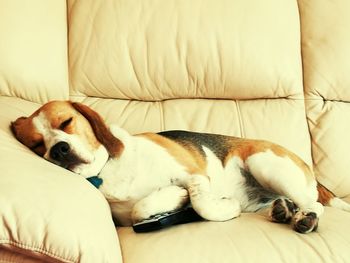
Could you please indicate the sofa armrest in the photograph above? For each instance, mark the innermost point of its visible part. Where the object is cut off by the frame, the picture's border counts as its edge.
(46, 211)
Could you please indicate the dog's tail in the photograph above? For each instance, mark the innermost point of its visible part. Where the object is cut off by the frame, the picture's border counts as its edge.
(327, 198)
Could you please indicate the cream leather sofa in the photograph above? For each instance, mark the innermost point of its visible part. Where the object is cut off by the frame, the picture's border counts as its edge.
(272, 69)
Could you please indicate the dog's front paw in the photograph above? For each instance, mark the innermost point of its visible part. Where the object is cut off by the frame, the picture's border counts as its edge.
(163, 200)
(138, 217)
(140, 213)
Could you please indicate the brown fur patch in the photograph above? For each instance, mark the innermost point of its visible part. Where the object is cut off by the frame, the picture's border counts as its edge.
(188, 156)
(24, 131)
(113, 145)
(59, 111)
(324, 195)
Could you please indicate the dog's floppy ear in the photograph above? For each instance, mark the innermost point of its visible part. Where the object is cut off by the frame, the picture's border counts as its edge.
(113, 145)
(16, 125)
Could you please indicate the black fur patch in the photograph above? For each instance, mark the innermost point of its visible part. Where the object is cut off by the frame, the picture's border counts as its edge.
(218, 144)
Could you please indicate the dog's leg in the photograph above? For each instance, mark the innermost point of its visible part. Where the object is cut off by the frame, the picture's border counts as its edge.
(207, 204)
(286, 178)
(163, 200)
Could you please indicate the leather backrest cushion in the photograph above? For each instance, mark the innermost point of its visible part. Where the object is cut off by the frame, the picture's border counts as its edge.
(33, 50)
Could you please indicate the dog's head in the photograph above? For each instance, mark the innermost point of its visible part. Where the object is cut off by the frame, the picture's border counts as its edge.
(70, 135)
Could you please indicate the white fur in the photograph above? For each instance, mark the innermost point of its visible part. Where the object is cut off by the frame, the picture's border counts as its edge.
(208, 204)
(285, 177)
(93, 168)
(213, 196)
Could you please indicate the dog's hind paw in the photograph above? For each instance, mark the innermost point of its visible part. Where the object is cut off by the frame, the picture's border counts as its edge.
(305, 222)
(282, 210)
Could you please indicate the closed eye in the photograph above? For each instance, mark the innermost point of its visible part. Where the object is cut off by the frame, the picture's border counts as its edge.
(64, 124)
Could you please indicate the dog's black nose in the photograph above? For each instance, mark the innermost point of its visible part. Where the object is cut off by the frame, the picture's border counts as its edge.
(60, 151)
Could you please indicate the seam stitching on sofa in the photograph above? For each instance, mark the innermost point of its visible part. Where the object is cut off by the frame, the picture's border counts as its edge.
(241, 128)
(214, 99)
(161, 113)
(35, 249)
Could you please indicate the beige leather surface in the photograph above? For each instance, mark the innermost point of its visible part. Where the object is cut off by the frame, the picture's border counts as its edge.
(329, 125)
(13, 255)
(249, 238)
(46, 209)
(33, 49)
(154, 50)
(326, 52)
(326, 48)
(8, 256)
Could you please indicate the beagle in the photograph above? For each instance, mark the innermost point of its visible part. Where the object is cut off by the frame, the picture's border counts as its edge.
(151, 173)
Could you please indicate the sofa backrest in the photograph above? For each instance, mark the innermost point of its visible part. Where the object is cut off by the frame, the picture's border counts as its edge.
(157, 50)
(170, 51)
(33, 50)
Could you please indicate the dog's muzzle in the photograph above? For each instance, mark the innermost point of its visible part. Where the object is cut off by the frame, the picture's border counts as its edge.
(60, 152)
(63, 155)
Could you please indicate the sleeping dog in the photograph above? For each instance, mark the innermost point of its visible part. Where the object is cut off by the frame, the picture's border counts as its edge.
(151, 173)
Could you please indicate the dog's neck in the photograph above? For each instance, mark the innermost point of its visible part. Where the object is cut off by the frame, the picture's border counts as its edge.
(113, 143)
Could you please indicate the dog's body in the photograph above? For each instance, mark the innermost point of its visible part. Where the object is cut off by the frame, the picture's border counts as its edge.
(148, 174)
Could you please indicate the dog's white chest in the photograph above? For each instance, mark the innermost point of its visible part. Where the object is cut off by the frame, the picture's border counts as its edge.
(142, 168)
